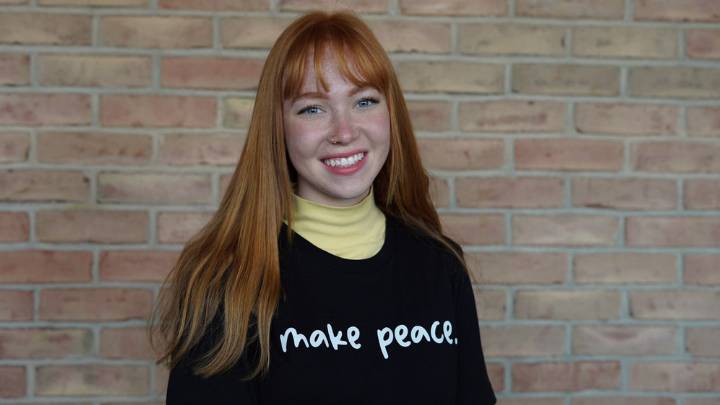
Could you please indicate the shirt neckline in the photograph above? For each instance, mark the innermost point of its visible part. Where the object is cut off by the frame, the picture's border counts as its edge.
(313, 259)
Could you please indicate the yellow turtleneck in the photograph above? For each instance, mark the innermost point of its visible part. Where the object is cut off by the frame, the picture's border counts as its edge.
(354, 232)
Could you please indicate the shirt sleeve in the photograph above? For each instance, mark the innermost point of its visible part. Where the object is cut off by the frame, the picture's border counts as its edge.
(186, 388)
(474, 386)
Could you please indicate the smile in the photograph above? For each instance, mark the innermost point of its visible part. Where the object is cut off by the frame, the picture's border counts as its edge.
(345, 162)
(347, 165)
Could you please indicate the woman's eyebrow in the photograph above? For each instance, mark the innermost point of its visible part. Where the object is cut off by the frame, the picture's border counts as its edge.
(316, 94)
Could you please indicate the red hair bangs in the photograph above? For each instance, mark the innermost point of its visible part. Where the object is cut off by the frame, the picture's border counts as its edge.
(358, 54)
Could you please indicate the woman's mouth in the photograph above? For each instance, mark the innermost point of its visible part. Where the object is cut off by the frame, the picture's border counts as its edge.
(346, 165)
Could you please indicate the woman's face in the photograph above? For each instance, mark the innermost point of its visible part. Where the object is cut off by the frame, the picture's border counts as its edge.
(357, 119)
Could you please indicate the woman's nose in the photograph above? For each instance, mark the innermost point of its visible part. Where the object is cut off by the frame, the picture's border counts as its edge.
(343, 129)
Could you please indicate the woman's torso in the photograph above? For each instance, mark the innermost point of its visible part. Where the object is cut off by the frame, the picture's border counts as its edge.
(362, 331)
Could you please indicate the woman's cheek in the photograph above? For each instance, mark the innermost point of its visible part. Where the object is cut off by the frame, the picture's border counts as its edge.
(379, 122)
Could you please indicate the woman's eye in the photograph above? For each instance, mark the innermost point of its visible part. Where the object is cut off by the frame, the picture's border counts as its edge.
(367, 102)
(309, 110)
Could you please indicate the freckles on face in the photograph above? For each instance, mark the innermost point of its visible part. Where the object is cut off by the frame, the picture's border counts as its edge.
(344, 119)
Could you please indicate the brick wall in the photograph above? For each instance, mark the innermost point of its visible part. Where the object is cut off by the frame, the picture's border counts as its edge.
(574, 147)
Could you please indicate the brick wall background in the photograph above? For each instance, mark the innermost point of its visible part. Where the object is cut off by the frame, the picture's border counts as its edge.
(574, 147)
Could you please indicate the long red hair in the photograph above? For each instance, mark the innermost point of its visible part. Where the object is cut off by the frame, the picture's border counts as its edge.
(230, 268)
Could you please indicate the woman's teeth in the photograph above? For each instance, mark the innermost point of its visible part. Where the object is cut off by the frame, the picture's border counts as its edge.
(345, 162)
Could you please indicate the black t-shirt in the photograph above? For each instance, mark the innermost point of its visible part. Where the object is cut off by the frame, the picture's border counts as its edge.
(398, 327)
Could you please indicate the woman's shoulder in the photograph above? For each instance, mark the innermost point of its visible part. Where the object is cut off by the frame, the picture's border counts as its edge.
(423, 247)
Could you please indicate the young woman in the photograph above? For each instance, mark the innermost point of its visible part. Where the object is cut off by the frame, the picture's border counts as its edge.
(324, 276)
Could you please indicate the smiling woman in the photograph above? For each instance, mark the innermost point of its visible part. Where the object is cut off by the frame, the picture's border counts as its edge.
(324, 276)
(353, 117)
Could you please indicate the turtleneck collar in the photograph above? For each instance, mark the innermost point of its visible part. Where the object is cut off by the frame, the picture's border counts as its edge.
(353, 232)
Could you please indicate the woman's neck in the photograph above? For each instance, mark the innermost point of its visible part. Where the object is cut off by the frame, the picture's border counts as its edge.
(355, 231)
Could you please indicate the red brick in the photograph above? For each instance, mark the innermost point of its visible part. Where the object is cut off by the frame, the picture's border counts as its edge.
(12, 381)
(567, 305)
(357, 6)
(156, 31)
(624, 400)
(92, 226)
(237, 112)
(523, 340)
(91, 380)
(137, 403)
(517, 267)
(95, 304)
(255, 32)
(94, 148)
(429, 115)
(14, 227)
(564, 376)
(673, 82)
(486, 229)
(623, 340)
(490, 304)
(624, 193)
(215, 5)
(94, 70)
(461, 154)
(625, 42)
(158, 111)
(14, 147)
(675, 305)
(702, 269)
(161, 378)
(531, 401)
(565, 79)
(624, 268)
(626, 119)
(412, 36)
(675, 377)
(454, 7)
(201, 149)
(703, 121)
(44, 343)
(210, 73)
(16, 305)
(178, 227)
(45, 266)
(702, 342)
(702, 401)
(674, 10)
(703, 44)
(564, 230)
(609, 9)
(45, 29)
(702, 194)
(568, 154)
(136, 265)
(439, 192)
(451, 77)
(224, 182)
(496, 372)
(154, 188)
(43, 185)
(676, 157)
(509, 192)
(672, 231)
(14, 69)
(95, 3)
(511, 39)
(125, 343)
(512, 116)
(35, 109)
